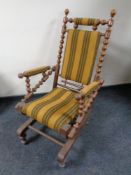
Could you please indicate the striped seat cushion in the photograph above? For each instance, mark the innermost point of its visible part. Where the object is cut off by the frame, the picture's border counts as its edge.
(54, 110)
(80, 53)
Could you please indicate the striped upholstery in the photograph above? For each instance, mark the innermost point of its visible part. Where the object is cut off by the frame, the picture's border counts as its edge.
(86, 21)
(80, 53)
(54, 110)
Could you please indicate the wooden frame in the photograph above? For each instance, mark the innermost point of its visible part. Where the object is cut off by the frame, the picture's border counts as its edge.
(70, 132)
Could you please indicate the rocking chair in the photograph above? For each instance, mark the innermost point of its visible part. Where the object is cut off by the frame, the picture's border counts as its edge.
(65, 109)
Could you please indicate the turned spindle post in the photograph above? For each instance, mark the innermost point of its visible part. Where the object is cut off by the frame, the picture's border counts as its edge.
(80, 98)
(63, 31)
(105, 43)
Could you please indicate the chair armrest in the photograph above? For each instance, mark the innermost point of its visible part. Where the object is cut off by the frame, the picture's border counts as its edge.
(84, 105)
(88, 89)
(34, 71)
(45, 71)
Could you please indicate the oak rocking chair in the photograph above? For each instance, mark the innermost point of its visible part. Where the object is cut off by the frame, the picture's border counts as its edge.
(65, 109)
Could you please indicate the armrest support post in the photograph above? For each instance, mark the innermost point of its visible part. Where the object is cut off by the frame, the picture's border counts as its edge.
(85, 102)
(45, 71)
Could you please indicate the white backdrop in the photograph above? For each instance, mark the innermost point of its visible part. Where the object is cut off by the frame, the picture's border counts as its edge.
(30, 33)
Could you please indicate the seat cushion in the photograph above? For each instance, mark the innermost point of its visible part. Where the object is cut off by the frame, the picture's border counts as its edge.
(57, 108)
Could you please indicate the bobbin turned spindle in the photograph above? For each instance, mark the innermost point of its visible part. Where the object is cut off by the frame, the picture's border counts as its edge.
(105, 42)
(59, 56)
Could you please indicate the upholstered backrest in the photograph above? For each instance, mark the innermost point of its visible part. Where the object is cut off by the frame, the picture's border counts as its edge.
(80, 53)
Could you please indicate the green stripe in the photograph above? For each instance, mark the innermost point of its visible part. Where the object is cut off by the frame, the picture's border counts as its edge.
(67, 120)
(39, 106)
(54, 108)
(83, 56)
(72, 53)
(72, 47)
(91, 21)
(65, 117)
(83, 64)
(24, 110)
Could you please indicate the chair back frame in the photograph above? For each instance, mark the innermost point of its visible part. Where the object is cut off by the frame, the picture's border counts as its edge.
(106, 35)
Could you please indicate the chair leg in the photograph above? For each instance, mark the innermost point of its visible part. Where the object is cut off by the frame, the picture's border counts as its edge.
(68, 145)
(22, 138)
(21, 131)
(61, 157)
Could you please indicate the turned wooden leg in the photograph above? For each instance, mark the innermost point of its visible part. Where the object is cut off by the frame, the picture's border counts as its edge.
(21, 131)
(61, 157)
(62, 164)
(22, 138)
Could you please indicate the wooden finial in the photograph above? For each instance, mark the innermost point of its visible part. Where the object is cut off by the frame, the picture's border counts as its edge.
(20, 75)
(113, 13)
(66, 11)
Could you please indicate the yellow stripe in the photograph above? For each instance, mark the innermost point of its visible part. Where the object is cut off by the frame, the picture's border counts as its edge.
(67, 53)
(90, 57)
(85, 21)
(66, 117)
(57, 115)
(48, 96)
(43, 111)
(84, 53)
(77, 56)
(72, 53)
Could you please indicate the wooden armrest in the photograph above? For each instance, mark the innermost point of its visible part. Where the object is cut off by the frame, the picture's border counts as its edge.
(88, 89)
(34, 71)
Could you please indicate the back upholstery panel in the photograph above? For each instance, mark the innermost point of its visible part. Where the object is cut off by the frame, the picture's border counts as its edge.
(80, 53)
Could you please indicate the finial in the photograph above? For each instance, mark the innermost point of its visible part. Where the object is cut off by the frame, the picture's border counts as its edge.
(113, 13)
(66, 11)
